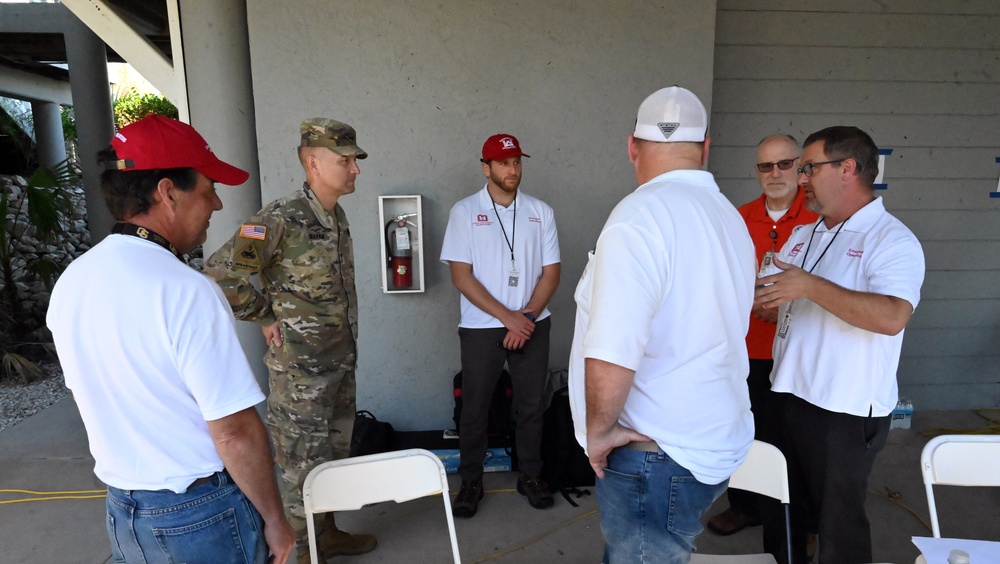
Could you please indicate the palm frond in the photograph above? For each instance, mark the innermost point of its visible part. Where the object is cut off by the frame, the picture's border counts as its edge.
(20, 368)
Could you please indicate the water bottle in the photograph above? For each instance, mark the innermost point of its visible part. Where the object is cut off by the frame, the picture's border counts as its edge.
(958, 557)
(902, 415)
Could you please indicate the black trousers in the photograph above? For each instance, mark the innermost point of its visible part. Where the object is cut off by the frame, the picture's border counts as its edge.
(767, 411)
(483, 357)
(830, 456)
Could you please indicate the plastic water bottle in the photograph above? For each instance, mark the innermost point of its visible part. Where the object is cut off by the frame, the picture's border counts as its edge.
(901, 416)
(958, 557)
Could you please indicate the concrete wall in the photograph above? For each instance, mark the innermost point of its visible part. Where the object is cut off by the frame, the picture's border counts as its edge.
(921, 77)
(425, 83)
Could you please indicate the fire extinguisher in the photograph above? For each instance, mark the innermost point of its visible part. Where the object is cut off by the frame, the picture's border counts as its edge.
(398, 245)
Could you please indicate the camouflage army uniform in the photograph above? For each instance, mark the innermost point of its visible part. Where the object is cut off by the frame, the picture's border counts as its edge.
(303, 257)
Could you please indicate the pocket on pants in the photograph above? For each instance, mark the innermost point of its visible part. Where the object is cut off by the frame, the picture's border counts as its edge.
(216, 540)
(689, 499)
(116, 552)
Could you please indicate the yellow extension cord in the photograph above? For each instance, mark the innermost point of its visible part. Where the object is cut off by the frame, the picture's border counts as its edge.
(50, 496)
(992, 428)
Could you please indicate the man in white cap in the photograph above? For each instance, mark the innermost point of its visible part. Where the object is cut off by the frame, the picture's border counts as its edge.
(658, 366)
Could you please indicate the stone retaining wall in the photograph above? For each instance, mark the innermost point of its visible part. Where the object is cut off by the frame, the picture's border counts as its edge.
(71, 243)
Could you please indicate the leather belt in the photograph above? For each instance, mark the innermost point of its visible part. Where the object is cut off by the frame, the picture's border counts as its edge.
(201, 481)
(645, 446)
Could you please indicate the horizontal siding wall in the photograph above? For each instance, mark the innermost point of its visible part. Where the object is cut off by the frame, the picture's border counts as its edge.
(923, 79)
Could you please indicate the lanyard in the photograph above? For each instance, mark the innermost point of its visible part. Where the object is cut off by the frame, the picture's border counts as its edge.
(513, 230)
(147, 234)
(827, 248)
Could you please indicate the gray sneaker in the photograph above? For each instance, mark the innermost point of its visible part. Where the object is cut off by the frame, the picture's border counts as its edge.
(467, 502)
(536, 489)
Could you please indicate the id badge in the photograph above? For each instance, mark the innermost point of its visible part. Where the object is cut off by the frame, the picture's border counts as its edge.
(512, 277)
(786, 320)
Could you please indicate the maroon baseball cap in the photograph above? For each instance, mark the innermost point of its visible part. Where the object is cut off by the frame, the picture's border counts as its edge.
(156, 142)
(501, 146)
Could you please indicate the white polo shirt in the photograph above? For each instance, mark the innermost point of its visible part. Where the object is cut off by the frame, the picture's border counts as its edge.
(149, 349)
(824, 360)
(668, 295)
(474, 236)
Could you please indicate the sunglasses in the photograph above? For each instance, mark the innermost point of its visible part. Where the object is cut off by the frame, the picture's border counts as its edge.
(808, 168)
(782, 165)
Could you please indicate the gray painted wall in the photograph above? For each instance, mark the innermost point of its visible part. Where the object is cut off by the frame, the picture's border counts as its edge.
(921, 77)
(425, 83)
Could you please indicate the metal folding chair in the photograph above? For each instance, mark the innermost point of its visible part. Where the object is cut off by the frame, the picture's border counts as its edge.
(765, 472)
(352, 483)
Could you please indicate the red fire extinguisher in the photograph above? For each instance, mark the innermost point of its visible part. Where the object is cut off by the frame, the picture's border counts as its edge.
(398, 245)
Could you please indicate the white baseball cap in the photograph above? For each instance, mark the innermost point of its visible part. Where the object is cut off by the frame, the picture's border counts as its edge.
(672, 115)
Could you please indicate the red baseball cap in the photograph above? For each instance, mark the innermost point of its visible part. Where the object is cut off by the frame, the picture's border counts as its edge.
(156, 142)
(501, 146)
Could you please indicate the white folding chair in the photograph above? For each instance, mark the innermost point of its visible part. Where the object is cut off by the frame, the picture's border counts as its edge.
(765, 472)
(352, 483)
(959, 460)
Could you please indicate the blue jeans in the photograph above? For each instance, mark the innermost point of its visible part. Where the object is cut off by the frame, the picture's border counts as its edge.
(651, 508)
(212, 523)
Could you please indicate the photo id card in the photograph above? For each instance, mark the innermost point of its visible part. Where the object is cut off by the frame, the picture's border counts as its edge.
(786, 320)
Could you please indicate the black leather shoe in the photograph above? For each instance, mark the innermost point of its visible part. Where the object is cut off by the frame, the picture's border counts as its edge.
(467, 502)
(537, 491)
(730, 522)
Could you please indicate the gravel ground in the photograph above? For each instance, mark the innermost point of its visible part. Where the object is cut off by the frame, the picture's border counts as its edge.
(20, 401)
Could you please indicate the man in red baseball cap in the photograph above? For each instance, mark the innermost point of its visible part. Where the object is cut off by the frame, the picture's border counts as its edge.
(148, 347)
(503, 251)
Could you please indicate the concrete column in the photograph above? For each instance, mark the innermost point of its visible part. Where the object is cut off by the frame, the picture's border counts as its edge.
(88, 76)
(49, 139)
(220, 98)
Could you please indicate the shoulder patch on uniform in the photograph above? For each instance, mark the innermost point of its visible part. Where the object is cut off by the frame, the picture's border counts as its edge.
(247, 258)
(253, 231)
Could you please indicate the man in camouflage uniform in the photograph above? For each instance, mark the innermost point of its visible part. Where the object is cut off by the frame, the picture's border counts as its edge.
(300, 249)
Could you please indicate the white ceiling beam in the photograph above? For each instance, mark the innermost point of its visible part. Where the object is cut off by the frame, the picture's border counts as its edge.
(32, 18)
(33, 88)
(168, 77)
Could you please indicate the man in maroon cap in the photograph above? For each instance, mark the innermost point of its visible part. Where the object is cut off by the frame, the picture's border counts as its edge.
(503, 251)
(149, 349)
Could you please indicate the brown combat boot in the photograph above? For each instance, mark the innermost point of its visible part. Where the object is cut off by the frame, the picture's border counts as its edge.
(334, 542)
(302, 554)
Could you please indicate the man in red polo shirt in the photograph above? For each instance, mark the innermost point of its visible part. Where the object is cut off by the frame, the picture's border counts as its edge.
(770, 220)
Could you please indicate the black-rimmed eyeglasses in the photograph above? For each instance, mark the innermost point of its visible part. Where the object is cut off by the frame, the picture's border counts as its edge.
(782, 165)
(808, 168)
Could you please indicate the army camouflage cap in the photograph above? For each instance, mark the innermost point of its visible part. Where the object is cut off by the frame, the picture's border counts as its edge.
(332, 134)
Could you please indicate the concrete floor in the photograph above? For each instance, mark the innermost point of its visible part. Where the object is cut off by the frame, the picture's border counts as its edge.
(48, 453)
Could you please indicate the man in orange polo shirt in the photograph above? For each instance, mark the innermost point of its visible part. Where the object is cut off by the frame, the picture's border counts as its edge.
(770, 220)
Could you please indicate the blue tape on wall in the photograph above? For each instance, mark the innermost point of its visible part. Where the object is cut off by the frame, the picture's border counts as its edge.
(997, 193)
(882, 153)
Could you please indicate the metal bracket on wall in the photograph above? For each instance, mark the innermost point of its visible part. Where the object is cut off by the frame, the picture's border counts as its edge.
(997, 193)
(879, 184)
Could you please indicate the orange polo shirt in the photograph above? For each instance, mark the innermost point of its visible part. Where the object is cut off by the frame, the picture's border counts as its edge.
(761, 227)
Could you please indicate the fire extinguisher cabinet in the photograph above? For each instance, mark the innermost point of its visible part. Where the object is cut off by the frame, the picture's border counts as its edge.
(402, 224)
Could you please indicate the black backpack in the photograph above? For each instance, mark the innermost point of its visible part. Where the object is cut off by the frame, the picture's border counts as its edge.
(565, 465)
(370, 435)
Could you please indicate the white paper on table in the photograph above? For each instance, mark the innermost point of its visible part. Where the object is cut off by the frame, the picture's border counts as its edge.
(936, 551)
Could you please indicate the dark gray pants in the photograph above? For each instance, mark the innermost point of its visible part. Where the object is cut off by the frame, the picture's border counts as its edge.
(830, 456)
(483, 358)
(767, 415)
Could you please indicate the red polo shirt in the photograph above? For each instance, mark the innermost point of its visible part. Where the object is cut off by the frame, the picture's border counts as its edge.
(761, 334)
